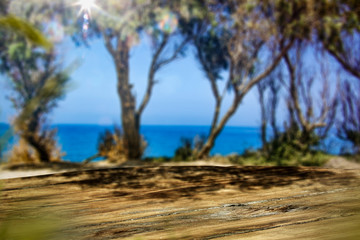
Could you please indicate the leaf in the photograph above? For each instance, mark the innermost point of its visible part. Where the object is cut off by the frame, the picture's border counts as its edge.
(20, 26)
(13, 49)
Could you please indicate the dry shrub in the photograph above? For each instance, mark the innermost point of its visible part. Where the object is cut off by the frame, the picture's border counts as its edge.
(25, 153)
(22, 153)
(111, 145)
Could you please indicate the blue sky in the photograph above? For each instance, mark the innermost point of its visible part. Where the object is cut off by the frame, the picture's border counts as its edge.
(182, 96)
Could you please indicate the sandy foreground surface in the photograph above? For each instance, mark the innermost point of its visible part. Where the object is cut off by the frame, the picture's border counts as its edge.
(188, 202)
(21, 171)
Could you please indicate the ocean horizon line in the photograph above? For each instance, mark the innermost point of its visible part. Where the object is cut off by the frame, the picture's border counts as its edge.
(79, 141)
(143, 125)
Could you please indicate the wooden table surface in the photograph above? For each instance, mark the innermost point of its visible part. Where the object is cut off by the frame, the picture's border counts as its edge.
(187, 202)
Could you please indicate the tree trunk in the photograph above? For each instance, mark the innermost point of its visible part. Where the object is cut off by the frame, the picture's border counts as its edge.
(31, 134)
(205, 151)
(274, 91)
(130, 124)
(42, 151)
(215, 116)
(129, 117)
(261, 91)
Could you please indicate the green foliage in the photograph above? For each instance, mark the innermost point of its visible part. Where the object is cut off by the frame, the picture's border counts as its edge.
(327, 18)
(158, 159)
(21, 27)
(294, 147)
(212, 53)
(294, 158)
(250, 158)
(316, 158)
(185, 152)
(38, 82)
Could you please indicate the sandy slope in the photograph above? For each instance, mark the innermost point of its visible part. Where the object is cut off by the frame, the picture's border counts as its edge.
(191, 202)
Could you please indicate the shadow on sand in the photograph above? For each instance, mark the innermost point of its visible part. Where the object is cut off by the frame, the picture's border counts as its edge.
(188, 181)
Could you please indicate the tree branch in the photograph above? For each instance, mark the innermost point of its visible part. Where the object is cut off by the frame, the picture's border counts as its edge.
(294, 94)
(217, 129)
(175, 55)
(152, 71)
(108, 44)
(244, 89)
(209, 75)
(343, 63)
(214, 86)
(156, 65)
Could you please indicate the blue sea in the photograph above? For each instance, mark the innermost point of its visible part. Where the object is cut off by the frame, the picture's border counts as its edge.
(79, 142)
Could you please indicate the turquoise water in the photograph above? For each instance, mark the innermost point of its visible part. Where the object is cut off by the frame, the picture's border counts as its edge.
(79, 141)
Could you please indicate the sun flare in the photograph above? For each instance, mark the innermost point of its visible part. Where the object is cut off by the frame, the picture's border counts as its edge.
(86, 5)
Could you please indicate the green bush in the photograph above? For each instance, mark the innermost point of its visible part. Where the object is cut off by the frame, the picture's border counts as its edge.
(157, 159)
(189, 148)
(292, 147)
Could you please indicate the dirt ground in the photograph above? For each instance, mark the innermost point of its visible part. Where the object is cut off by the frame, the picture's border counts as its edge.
(188, 202)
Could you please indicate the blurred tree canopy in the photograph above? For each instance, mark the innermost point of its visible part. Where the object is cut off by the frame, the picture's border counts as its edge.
(122, 25)
(241, 39)
(37, 80)
(10, 23)
(333, 24)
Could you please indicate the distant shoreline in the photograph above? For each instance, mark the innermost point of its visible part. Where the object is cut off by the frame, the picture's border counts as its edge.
(79, 141)
(143, 125)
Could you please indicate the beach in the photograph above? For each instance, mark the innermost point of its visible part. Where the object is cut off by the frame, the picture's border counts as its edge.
(191, 202)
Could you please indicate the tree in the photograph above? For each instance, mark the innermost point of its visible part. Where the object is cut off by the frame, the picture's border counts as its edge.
(310, 114)
(121, 28)
(122, 25)
(9, 23)
(38, 81)
(348, 128)
(235, 45)
(269, 91)
(301, 101)
(305, 78)
(348, 54)
(332, 23)
(339, 33)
